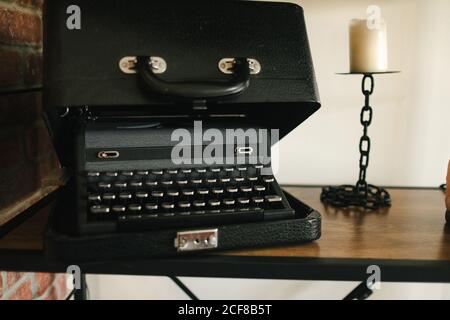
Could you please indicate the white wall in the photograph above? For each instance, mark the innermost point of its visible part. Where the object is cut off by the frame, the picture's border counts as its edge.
(410, 132)
(159, 288)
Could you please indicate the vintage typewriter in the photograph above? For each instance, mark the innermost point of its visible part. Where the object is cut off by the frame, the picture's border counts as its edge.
(129, 181)
(120, 82)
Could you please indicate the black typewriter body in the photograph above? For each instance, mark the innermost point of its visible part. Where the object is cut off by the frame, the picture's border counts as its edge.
(119, 83)
(127, 180)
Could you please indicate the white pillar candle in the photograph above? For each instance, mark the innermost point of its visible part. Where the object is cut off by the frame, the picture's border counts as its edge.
(368, 47)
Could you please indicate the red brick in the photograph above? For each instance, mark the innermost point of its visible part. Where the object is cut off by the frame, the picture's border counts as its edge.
(33, 69)
(11, 66)
(23, 292)
(20, 27)
(13, 277)
(1, 285)
(43, 282)
(61, 284)
(51, 295)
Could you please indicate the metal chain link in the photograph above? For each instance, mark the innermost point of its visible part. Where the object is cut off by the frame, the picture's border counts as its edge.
(362, 194)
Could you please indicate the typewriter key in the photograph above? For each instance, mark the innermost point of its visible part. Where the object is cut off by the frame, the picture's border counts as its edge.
(99, 209)
(273, 198)
(109, 196)
(259, 188)
(173, 193)
(151, 206)
(182, 182)
(141, 194)
(136, 184)
(157, 194)
(203, 192)
(93, 174)
(229, 202)
(187, 192)
(198, 203)
(119, 209)
(125, 196)
(151, 183)
(167, 182)
(111, 174)
(268, 179)
(217, 190)
(257, 200)
(120, 184)
(104, 185)
(214, 202)
(168, 205)
(196, 181)
(243, 200)
(232, 189)
(184, 204)
(135, 207)
(94, 198)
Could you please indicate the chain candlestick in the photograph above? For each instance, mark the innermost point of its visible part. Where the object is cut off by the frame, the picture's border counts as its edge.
(362, 194)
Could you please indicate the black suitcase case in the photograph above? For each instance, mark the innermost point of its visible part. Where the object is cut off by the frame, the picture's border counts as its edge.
(125, 63)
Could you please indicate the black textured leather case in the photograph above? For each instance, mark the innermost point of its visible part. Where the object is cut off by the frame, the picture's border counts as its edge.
(61, 245)
(81, 67)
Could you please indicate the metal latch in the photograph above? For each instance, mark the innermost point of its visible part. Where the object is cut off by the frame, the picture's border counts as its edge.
(128, 65)
(226, 65)
(196, 240)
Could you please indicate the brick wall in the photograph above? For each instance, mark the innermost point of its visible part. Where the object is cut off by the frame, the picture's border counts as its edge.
(38, 286)
(27, 156)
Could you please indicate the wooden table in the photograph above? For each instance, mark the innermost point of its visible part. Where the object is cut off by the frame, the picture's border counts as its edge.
(409, 241)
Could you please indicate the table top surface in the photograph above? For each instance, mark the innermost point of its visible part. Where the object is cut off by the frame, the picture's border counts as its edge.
(412, 229)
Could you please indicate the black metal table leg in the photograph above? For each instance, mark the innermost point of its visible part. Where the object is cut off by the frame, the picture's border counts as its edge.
(361, 292)
(183, 287)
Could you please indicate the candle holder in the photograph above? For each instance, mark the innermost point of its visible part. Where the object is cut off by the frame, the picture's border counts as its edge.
(362, 194)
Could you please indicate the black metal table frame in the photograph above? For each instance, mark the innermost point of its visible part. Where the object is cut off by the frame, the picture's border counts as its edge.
(222, 266)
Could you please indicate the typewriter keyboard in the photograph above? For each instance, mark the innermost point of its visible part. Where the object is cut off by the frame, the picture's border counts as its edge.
(182, 196)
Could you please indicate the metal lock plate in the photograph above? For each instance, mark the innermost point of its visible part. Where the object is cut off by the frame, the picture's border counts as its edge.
(196, 240)
(226, 66)
(128, 65)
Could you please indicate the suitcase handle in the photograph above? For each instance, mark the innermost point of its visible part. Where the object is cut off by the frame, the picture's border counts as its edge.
(238, 83)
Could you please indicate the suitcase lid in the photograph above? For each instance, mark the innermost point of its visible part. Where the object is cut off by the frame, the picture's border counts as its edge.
(83, 59)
